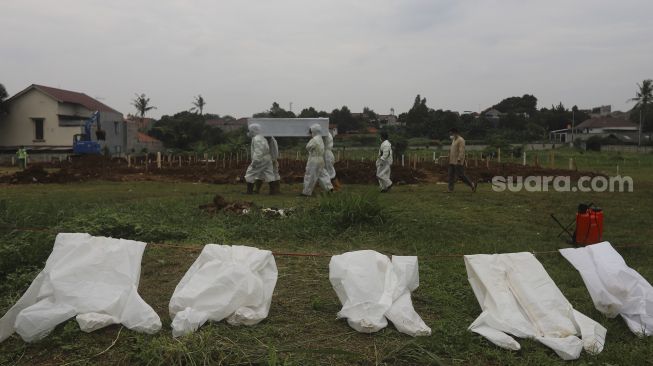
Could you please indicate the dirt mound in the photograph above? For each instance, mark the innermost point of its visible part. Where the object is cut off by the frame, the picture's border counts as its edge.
(356, 172)
(292, 171)
(33, 174)
(219, 204)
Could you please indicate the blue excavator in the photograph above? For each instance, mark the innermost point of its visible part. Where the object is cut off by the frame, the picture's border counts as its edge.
(83, 144)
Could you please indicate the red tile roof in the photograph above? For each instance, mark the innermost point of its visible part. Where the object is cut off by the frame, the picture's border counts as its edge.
(605, 122)
(67, 96)
(146, 138)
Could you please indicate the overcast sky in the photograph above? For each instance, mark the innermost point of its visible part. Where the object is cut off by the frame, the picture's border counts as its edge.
(241, 55)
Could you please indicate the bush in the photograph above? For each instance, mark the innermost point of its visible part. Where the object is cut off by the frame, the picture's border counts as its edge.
(593, 143)
(399, 145)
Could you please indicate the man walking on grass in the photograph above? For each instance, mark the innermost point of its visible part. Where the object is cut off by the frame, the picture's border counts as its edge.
(21, 154)
(457, 161)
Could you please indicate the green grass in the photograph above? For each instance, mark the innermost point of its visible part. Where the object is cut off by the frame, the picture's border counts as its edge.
(301, 329)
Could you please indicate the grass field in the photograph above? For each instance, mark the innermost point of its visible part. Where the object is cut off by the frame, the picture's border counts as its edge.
(302, 328)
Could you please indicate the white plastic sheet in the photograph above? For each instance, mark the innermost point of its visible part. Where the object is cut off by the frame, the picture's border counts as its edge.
(95, 278)
(289, 127)
(232, 282)
(519, 298)
(615, 288)
(372, 289)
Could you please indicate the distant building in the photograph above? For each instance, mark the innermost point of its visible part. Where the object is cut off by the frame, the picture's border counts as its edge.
(45, 119)
(388, 120)
(227, 125)
(600, 111)
(147, 143)
(144, 124)
(619, 128)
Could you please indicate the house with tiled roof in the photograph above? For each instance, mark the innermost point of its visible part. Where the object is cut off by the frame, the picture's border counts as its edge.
(227, 124)
(45, 119)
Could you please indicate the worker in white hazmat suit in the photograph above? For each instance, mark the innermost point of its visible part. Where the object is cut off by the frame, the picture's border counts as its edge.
(383, 163)
(329, 161)
(315, 162)
(260, 169)
(275, 185)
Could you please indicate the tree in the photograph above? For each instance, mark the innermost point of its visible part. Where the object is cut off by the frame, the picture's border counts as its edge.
(186, 130)
(3, 97)
(142, 105)
(275, 112)
(643, 98)
(417, 117)
(344, 120)
(311, 112)
(524, 104)
(198, 104)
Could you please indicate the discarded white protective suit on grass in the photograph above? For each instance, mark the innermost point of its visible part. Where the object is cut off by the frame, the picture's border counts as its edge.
(93, 278)
(519, 298)
(614, 287)
(232, 282)
(372, 288)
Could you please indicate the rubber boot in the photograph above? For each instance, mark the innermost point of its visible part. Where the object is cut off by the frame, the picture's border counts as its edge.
(257, 186)
(271, 185)
(275, 187)
(250, 188)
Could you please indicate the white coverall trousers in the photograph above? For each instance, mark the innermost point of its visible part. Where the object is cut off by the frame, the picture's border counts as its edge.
(383, 173)
(315, 173)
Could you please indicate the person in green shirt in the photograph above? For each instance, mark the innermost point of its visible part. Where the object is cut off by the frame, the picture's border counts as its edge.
(22, 157)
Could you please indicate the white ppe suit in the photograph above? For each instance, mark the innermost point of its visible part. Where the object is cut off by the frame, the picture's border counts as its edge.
(383, 164)
(315, 162)
(329, 158)
(274, 155)
(261, 166)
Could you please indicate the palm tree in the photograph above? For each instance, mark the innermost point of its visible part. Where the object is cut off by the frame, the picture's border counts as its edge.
(141, 103)
(644, 98)
(199, 104)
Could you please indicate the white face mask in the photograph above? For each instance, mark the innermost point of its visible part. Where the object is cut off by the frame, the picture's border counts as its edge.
(451, 136)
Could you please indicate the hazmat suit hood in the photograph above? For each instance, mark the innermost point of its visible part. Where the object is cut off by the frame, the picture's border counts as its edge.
(254, 129)
(316, 130)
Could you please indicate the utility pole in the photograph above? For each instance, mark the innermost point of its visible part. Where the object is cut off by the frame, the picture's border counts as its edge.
(573, 122)
(290, 107)
(639, 142)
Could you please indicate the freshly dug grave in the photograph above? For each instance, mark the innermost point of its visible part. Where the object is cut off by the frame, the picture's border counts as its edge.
(292, 171)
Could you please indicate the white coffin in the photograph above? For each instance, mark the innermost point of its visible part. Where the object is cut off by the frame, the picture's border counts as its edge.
(289, 127)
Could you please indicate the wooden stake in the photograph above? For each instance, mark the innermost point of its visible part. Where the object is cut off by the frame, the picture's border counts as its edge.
(158, 160)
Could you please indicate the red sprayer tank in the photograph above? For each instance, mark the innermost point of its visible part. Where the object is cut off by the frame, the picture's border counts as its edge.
(589, 225)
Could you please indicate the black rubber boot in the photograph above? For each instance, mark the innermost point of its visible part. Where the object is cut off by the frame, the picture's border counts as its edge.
(257, 186)
(275, 188)
(250, 188)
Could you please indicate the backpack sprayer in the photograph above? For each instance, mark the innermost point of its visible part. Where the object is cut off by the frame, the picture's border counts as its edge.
(589, 225)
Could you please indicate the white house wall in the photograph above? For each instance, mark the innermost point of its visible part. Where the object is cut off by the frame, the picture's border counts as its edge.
(17, 128)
